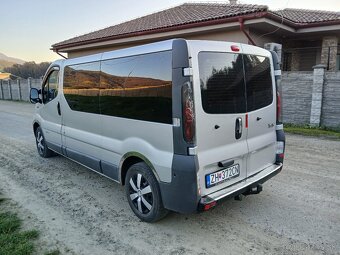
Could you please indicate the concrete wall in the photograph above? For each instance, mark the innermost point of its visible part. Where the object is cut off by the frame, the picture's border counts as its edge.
(300, 98)
(296, 97)
(330, 114)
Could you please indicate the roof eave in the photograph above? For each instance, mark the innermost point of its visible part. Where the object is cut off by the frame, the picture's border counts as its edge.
(301, 25)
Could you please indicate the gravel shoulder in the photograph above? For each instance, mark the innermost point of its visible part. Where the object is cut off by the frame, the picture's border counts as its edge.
(80, 212)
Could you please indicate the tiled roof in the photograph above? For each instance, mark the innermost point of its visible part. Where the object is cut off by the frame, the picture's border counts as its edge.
(191, 13)
(308, 16)
(184, 14)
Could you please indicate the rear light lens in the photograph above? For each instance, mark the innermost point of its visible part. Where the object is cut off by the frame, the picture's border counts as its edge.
(188, 114)
(280, 148)
(278, 101)
(278, 108)
(235, 48)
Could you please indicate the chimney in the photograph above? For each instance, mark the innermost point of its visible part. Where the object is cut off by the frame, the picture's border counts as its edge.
(233, 1)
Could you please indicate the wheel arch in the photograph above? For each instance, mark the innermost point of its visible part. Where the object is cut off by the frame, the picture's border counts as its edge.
(130, 159)
(35, 126)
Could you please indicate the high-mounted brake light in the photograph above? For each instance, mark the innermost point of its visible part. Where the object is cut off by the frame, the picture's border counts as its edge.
(235, 48)
(188, 113)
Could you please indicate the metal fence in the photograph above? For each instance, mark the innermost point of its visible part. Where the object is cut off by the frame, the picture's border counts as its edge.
(303, 59)
(18, 89)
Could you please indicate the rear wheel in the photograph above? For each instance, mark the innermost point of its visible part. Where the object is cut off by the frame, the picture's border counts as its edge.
(41, 144)
(143, 193)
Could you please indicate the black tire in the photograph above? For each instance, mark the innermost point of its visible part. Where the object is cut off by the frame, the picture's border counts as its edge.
(41, 144)
(143, 193)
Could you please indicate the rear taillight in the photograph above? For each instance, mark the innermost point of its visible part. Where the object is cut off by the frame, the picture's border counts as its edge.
(188, 114)
(278, 108)
(280, 149)
(278, 100)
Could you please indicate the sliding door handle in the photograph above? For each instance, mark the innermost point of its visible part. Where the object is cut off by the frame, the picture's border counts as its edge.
(58, 108)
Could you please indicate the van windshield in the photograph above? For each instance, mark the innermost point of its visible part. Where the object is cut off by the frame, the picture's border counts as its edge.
(234, 83)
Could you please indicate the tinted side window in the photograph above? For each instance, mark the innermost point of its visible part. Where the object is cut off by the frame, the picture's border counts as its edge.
(81, 87)
(138, 87)
(222, 82)
(50, 88)
(259, 82)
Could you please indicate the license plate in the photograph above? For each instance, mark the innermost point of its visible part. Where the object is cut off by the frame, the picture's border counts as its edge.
(222, 175)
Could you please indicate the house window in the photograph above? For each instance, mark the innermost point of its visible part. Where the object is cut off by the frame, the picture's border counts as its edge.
(338, 62)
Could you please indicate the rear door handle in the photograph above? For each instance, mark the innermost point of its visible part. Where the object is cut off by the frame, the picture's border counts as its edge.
(58, 108)
(238, 128)
(225, 163)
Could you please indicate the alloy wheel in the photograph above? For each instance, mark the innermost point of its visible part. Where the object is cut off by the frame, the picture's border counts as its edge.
(140, 193)
(40, 143)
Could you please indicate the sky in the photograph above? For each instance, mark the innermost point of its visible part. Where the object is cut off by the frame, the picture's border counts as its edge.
(28, 28)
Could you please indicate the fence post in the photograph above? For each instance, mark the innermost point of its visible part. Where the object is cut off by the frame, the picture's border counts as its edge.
(317, 94)
(19, 88)
(29, 86)
(2, 90)
(10, 89)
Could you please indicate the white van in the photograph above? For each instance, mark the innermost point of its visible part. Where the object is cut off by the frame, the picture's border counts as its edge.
(182, 124)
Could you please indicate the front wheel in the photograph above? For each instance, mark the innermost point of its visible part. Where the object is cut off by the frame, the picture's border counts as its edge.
(143, 193)
(41, 144)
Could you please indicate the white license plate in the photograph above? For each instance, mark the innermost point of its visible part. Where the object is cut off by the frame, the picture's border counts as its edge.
(222, 175)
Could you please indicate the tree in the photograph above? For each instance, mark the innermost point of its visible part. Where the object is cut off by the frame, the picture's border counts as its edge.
(28, 69)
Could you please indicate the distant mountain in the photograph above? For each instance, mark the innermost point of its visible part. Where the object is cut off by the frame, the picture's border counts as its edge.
(6, 61)
(10, 59)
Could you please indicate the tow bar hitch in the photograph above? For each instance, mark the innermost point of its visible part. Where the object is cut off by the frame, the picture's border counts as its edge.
(251, 191)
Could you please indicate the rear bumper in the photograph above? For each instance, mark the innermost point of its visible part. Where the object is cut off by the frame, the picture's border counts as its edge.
(242, 186)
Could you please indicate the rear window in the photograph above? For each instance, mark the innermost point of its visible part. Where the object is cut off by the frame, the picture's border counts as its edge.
(222, 82)
(258, 82)
(234, 83)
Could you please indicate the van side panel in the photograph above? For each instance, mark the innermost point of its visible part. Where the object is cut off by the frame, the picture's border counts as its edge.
(149, 139)
(136, 109)
(98, 138)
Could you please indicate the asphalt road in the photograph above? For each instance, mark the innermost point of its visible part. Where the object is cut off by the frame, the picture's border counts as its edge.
(80, 212)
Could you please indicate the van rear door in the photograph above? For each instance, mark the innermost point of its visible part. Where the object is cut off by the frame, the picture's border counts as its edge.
(220, 108)
(261, 108)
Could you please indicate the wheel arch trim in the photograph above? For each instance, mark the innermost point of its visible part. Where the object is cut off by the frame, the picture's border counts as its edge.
(35, 123)
(135, 154)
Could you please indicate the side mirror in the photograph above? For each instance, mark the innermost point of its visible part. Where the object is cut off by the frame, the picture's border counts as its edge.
(34, 96)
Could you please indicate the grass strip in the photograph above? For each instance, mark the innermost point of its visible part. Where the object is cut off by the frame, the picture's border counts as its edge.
(13, 241)
(312, 131)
